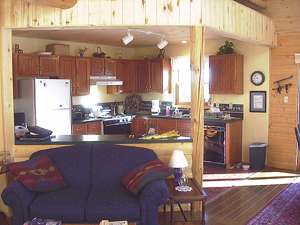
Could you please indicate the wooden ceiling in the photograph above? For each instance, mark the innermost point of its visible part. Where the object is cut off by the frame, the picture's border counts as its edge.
(284, 13)
(112, 35)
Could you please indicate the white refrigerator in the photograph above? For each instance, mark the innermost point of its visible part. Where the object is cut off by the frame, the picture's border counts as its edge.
(46, 103)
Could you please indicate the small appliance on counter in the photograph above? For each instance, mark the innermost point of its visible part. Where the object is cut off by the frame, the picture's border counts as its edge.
(155, 110)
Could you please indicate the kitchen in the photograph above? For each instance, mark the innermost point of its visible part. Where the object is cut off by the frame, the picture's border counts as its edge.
(255, 58)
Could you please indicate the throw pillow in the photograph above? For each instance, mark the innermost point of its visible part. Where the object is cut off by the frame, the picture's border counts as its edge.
(38, 174)
(137, 178)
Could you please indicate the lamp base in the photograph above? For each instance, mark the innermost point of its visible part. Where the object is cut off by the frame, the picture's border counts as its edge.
(178, 174)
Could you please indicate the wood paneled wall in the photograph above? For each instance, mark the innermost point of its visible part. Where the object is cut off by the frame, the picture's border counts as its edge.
(282, 150)
(223, 16)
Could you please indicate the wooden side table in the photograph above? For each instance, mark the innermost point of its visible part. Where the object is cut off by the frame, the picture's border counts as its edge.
(178, 197)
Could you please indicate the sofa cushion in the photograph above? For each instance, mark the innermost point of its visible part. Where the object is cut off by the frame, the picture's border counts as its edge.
(141, 175)
(109, 163)
(73, 163)
(67, 204)
(115, 203)
(38, 174)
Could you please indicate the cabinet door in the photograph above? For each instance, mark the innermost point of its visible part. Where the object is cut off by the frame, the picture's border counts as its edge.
(138, 125)
(67, 70)
(82, 76)
(15, 76)
(49, 66)
(126, 74)
(184, 128)
(28, 65)
(165, 125)
(97, 67)
(94, 128)
(156, 76)
(143, 76)
(226, 74)
(110, 67)
(79, 129)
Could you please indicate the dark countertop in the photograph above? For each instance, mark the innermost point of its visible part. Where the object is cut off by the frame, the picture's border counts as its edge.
(206, 120)
(105, 139)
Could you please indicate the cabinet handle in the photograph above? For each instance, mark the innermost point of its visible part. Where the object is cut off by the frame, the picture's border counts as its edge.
(79, 129)
(41, 68)
(146, 87)
(78, 88)
(103, 70)
(73, 89)
(106, 71)
(150, 88)
(94, 127)
(37, 67)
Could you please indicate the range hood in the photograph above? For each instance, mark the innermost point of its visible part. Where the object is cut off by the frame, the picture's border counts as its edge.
(105, 80)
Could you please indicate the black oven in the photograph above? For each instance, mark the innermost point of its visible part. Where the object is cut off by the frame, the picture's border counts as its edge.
(119, 125)
(214, 144)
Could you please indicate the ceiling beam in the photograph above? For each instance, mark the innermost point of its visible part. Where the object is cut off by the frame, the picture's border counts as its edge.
(260, 3)
(63, 4)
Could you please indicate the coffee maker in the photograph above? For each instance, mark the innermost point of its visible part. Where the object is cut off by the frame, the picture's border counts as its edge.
(155, 110)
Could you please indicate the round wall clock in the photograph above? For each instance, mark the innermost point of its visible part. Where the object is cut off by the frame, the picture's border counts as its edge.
(257, 78)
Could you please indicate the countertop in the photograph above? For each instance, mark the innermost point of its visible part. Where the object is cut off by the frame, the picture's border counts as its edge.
(105, 139)
(206, 120)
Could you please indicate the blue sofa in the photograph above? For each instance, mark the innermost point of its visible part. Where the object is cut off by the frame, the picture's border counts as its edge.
(94, 188)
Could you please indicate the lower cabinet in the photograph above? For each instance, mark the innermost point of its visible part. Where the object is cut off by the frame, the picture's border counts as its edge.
(141, 125)
(87, 128)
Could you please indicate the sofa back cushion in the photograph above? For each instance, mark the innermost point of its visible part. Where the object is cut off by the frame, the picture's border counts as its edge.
(109, 163)
(73, 162)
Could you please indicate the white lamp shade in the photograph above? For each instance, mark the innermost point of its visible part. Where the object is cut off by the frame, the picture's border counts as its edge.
(178, 160)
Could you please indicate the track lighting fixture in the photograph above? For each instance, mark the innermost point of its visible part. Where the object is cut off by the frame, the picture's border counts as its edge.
(127, 38)
(163, 43)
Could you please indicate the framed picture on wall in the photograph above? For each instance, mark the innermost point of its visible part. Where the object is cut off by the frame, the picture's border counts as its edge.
(258, 101)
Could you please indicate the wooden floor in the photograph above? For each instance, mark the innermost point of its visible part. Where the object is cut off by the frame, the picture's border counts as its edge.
(243, 201)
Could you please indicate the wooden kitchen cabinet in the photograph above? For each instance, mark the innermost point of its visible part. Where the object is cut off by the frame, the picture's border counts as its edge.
(153, 76)
(79, 129)
(38, 65)
(103, 67)
(233, 146)
(138, 125)
(165, 125)
(125, 72)
(87, 128)
(94, 128)
(141, 125)
(183, 127)
(78, 70)
(226, 74)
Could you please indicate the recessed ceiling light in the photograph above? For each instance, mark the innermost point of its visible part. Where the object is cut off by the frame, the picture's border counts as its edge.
(183, 42)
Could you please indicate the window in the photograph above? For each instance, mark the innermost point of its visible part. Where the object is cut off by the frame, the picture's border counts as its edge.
(182, 80)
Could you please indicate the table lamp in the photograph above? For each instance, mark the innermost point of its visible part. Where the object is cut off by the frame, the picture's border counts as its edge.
(178, 161)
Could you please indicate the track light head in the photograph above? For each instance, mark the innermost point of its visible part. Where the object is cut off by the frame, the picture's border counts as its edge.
(127, 38)
(163, 43)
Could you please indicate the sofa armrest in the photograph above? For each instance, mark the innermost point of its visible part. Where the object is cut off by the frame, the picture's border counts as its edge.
(18, 199)
(152, 196)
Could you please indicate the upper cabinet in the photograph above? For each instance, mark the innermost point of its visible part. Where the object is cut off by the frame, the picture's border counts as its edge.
(126, 70)
(103, 67)
(78, 70)
(153, 76)
(37, 65)
(226, 74)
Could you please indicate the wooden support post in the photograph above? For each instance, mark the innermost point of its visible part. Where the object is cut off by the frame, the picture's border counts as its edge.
(197, 107)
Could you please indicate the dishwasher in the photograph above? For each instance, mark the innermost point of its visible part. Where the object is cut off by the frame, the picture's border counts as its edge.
(214, 143)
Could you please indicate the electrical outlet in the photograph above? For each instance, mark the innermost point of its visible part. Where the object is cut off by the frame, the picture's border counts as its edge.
(286, 99)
